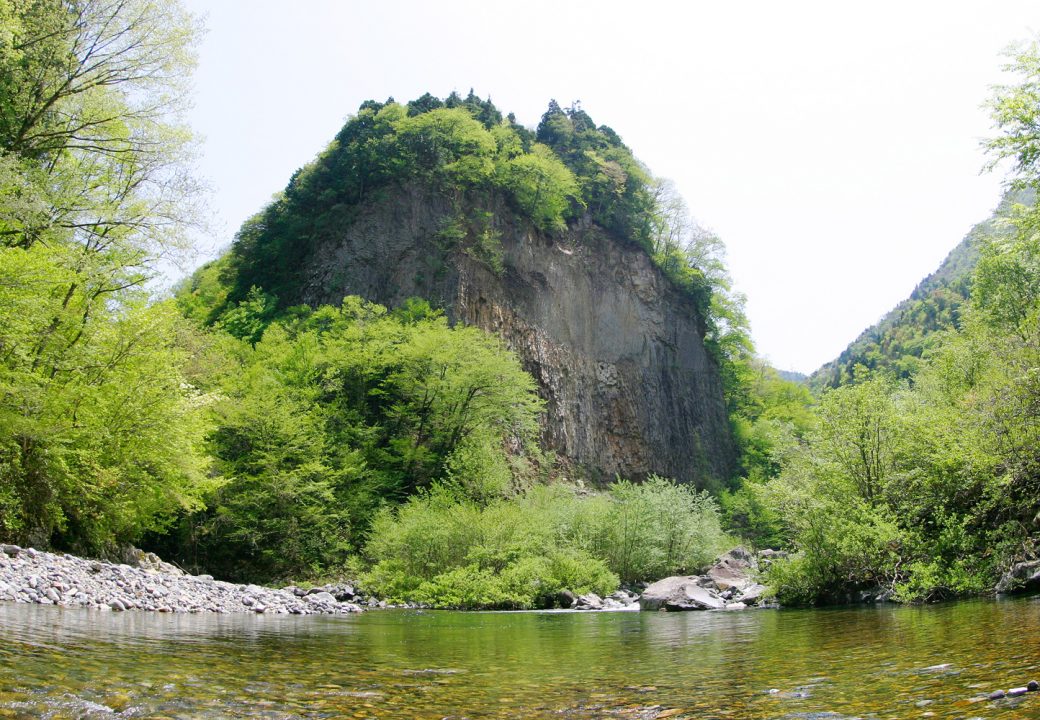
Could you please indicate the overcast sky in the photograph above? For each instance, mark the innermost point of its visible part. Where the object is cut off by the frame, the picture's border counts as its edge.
(833, 146)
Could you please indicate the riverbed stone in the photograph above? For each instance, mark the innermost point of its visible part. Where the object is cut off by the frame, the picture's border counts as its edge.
(997, 695)
(1016, 691)
(52, 579)
(589, 601)
(1033, 686)
(680, 593)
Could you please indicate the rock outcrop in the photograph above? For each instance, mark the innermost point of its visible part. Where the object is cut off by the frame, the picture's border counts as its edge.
(729, 584)
(617, 350)
(1022, 577)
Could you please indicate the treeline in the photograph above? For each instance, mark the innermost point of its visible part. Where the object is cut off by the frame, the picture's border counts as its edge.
(100, 439)
(896, 344)
(265, 441)
(922, 479)
(234, 431)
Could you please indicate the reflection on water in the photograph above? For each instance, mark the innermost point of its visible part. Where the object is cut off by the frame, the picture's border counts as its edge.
(890, 662)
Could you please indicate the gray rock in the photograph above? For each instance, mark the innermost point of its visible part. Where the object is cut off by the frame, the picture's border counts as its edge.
(566, 599)
(53, 579)
(12, 550)
(623, 597)
(1022, 577)
(591, 601)
(997, 694)
(753, 594)
(629, 385)
(321, 598)
(680, 593)
(733, 570)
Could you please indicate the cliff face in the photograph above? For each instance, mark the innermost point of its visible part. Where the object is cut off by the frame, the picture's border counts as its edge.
(617, 351)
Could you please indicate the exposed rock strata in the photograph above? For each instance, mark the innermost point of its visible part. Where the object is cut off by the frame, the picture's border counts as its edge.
(617, 350)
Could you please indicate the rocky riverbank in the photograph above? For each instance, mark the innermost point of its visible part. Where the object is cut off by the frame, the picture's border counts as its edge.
(145, 582)
(32, 576)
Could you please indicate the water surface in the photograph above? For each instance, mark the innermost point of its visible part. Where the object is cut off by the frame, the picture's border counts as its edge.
(885, 662)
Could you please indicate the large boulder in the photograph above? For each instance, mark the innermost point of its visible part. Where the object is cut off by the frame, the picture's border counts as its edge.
(734, 570)
(752, 594)
(680, 593)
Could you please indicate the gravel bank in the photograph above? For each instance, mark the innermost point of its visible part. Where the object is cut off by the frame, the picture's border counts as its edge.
(32, 576)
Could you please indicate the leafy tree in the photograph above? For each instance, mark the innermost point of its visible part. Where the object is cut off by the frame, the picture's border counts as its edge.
(542, 186)
(1015, 110)
(335, 411)
(101, 429)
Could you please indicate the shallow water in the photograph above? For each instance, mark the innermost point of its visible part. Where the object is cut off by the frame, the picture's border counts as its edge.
(886, 662)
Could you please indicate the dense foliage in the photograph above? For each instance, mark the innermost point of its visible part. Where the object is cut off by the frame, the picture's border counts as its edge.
(100, 429)
(929, 487)
(462, 148)
(446, 550)
(336, 411)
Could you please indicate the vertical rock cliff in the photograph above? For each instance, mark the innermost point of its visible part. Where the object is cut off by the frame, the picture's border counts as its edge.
(617, 350)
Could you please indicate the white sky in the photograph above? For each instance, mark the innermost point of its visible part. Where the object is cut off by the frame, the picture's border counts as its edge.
(834, 146)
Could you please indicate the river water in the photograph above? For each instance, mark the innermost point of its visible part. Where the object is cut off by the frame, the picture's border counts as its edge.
(885, 662)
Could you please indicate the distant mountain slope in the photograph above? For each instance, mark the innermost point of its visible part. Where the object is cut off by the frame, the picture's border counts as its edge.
(902, 337)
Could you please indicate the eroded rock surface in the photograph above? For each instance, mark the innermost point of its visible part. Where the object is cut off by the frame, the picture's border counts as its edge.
(617, 350)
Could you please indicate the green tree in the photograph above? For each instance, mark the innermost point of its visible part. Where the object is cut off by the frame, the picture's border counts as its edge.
(101, 429)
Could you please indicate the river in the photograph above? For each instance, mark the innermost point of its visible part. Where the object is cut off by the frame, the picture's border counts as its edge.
(884, 662)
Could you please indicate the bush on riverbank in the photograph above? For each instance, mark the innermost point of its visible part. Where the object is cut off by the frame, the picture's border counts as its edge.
(445, 550)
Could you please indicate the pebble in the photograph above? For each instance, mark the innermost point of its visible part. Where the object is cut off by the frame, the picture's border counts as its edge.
(31, 576)
(1015, 692)
(1033, 686)
(997, 694)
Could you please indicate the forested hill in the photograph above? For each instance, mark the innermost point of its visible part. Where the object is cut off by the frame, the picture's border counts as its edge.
(556, 240)
(906, 333)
